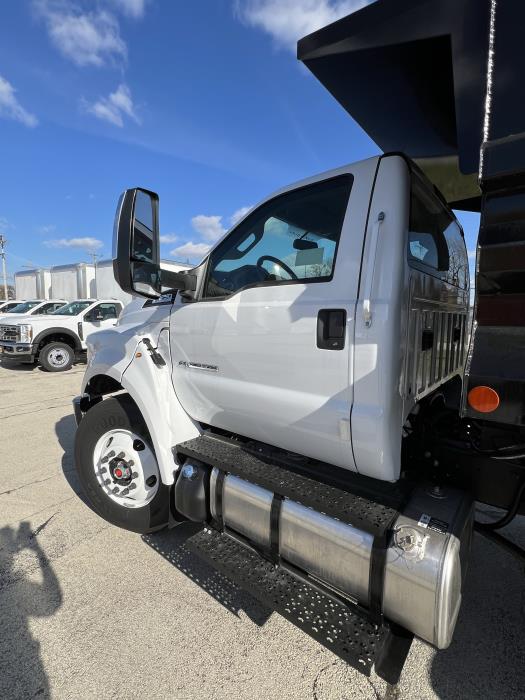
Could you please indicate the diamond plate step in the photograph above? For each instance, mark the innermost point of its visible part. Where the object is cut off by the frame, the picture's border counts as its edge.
(355, 640)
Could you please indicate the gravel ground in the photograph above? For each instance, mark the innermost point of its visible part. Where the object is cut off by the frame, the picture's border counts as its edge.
(90, 611)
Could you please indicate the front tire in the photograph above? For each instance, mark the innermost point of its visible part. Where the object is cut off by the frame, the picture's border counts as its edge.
(56, 357)
(116, 464)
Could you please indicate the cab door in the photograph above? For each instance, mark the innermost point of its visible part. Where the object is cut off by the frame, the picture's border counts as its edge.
(266, 350)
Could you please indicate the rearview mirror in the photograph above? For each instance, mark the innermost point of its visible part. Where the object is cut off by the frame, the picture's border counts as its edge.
(136, 258)
(303, 244)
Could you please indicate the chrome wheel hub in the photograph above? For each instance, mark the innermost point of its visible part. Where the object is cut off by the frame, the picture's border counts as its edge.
(58, 357)
(126, 468)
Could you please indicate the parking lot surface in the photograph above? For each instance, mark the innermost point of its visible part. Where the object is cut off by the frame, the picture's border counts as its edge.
(90, 611)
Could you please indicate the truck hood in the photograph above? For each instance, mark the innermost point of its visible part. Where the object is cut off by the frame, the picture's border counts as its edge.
(39, 323)
(11, 319)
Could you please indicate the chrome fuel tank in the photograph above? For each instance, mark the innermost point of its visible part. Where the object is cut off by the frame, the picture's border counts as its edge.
(425, 563)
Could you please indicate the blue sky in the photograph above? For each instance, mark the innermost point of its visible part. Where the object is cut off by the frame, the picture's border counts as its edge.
(203, 102)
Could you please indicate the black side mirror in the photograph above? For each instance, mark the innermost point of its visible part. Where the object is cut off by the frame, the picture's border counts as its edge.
(136, 258)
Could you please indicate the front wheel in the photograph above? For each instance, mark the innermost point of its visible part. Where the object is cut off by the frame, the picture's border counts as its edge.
(56, 357)
(117, 467)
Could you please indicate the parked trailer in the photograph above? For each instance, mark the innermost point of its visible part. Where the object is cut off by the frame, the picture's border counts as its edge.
(75, 281)
(33, 284)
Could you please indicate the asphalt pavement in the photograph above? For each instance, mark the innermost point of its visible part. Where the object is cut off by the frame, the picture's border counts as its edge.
(91, 611)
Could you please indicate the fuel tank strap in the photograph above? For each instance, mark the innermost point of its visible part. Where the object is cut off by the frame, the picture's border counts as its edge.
(275, 514)
(354, 501)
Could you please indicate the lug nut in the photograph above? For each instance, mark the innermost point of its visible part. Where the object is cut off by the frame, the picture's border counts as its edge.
(121, 455)
(131, 463)
(110, 455)
(134, 475)
(103, 470)
(107, 482)
(124, 492)
(132, 486)
(115, 490)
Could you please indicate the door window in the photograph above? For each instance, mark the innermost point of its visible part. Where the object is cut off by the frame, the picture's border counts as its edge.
(104, 312)
(435, 241)
(50, 308)
(292, 238)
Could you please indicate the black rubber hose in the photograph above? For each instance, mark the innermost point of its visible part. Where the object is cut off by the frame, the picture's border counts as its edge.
(509, 515)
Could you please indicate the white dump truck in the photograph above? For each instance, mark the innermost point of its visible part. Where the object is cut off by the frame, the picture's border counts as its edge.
(307, 393)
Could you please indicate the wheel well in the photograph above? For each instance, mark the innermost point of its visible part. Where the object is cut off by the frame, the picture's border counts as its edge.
(101, 384)
(57, 338)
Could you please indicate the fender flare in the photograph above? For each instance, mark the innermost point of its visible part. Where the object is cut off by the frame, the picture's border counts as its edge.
(56, 329)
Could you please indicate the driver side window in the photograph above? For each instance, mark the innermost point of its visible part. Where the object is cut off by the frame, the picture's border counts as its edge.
(292, 238)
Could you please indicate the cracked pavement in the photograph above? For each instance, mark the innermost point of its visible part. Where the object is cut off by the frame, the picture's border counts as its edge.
(91, 611)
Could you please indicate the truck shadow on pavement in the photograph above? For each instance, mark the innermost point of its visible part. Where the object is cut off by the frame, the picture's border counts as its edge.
(19, 366)
(22, 673)
(171, 544)
(65, 430)
(486, 658)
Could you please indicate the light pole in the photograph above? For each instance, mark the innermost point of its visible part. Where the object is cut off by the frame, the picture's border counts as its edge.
(4, 271)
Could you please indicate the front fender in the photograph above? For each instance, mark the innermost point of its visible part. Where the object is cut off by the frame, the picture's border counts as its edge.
(109, 353)
(150, 386)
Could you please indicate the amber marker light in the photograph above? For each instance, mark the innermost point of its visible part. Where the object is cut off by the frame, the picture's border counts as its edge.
(483, 399)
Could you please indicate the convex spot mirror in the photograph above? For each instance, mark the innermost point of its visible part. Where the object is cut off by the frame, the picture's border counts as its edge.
(136, 258)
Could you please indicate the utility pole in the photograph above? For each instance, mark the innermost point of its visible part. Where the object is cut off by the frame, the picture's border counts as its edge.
(4, 271)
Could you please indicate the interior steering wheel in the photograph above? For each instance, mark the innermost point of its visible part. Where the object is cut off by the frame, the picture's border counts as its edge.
(279, 262)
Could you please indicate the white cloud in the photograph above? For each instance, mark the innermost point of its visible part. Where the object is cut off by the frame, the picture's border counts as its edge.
(4, 224)
(113, 108)
(46, 229)
(132, 8)
(289, 20)
(88, 38)
(87, 243)
(209, 227)
(239, 214)
(191, 250)
(168, 238)
(10, 107)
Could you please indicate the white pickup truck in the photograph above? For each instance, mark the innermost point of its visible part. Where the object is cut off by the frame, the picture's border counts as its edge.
(31, 307)
(55, 339)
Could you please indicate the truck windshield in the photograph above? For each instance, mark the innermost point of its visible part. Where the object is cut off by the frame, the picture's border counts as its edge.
(72, 309)
(23, 308)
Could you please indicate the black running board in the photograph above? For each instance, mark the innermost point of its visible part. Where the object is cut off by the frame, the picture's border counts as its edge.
(359, 642)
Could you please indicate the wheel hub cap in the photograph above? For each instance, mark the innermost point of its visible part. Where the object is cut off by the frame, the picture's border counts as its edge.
(126, 468)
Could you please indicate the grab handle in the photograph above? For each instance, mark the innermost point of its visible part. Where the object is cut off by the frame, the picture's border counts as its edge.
(369, 279)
